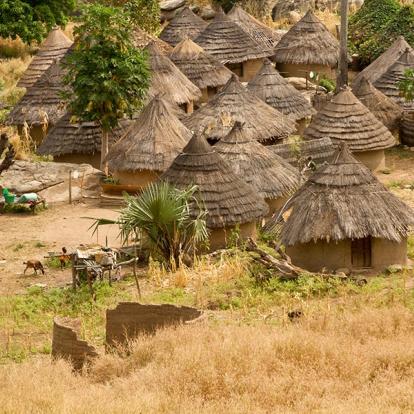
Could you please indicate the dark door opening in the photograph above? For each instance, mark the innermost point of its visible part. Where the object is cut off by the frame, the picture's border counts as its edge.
(361, 252)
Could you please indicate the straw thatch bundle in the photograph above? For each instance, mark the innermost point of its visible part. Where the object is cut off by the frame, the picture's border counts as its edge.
(68, 138)
(380, 65)
(269, 174)
(407, 128)
(344, 200)
(308, 42)
(185, 24)
(42, 104)
(53, 48)
(142, 39)
(263, 34)
(388, 82)
(201, 68)
(229, 43)
(228, 199)
(345, 119)
(384, 108)
(235, 103)
(276, 91)
(167, 79)
(152, 142)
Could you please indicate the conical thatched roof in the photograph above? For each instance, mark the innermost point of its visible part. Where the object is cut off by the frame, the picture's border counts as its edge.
(345, 119)
(308, 42)
(229, 43)
(184, 25)
(53, 48)
(152, 142)
(42, 103)
(388, 82)
(380, 65)
(384, 108)
(142, 39)
(235, 103)
(167, 79)
(256, 164)
(77, 138)
(343, 200)
(227, 198)
(277, 92)
(263, 34)
(201, 68)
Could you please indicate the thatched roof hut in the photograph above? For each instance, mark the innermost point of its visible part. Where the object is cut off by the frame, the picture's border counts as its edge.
(388, 82)
(141, 39)
(346, 119)
(384, 108)
(273, 178)
(344, 217)
(228, 200)
(152, 142)
(53, 48)
(185, 24)
(236, 103)
(204, 70)
(277, 92)
(167, 79)
(307, 46)
(263, 34)
(380, 65)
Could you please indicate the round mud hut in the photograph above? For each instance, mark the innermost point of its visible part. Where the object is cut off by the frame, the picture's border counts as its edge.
(277, 92)
(204, 70)
(167, 79)
(142, 39)
(235, 103)
(343, 217)
(271, 176)
(307, 47)
(41, 106)
(231, 203)
(346, 119)
(260, 32)
(385, 109)
(185, 25)
(231, 45)
(149, 146)
(52, 49)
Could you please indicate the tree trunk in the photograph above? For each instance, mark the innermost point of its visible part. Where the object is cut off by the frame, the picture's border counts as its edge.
(342, 79)
(104, 152)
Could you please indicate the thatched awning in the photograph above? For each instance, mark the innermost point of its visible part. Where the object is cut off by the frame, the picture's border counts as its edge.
(185, 24)
(346, 119)
(344, 200)
(227, 198)
(152, 142)
(308, 42)
(263, 34)
(388, 82)
(53, 48)
(380, 65)
(256, 164)
(384, 108)
(201, 68)
(235, 103)
(42, 104)
(142, 39)
(167, 79)
(277, 92)
(229, 43)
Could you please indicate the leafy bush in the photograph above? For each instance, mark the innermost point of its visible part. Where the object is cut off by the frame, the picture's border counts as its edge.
(328, 84)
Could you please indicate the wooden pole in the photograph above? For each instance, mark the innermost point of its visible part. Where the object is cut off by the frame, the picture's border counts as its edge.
(342, 78)
(104, 152)
(70, 186)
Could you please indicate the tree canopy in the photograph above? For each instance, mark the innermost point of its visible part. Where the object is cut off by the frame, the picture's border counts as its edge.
(31, 20)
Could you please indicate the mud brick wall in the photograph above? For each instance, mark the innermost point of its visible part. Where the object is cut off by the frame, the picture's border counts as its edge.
(129, 319)
(66, 345)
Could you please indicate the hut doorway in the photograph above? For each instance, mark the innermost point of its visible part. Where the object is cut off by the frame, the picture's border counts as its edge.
(361, 252)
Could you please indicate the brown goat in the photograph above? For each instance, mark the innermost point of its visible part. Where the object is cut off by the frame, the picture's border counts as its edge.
(35, 265)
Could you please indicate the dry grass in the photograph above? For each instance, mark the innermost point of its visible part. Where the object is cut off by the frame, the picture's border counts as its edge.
(334, 361)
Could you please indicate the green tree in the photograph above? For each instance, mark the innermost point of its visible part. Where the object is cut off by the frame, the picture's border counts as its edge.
(406, 85)
(31, 20)
(108, 76)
